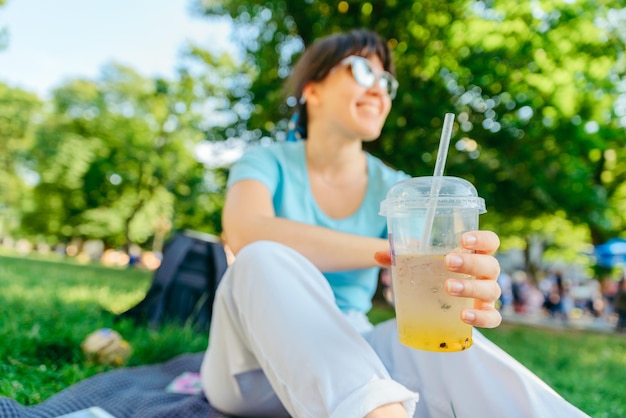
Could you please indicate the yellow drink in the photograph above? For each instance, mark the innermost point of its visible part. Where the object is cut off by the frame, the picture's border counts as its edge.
(428, 318)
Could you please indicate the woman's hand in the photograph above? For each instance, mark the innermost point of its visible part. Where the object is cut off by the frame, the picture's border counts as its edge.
(484, 290)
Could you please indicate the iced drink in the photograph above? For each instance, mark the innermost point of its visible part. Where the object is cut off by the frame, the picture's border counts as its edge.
(428, 318)
(423, 227)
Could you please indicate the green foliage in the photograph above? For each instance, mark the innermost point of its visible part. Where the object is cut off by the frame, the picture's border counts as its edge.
(533, 85)
(18, 112)
(116, 157)
(538, 89)
(560, 242)
(556, 79)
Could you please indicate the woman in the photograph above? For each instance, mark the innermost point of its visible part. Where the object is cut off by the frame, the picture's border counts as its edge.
(290, 334)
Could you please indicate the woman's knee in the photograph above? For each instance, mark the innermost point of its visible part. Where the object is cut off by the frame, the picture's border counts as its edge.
(275, 267)
(260, 252)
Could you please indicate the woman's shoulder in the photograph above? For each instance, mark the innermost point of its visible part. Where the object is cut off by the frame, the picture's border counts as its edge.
(382, 170)
(276, 150)
(265, 163)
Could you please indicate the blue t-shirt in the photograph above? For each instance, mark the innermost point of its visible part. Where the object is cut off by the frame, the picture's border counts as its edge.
(282, 168)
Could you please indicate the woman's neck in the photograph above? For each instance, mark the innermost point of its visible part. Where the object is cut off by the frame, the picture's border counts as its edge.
(334, 153)
(335, 162)
(337, 172)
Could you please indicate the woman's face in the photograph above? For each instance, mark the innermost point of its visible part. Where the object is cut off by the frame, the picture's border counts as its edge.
(347, 107)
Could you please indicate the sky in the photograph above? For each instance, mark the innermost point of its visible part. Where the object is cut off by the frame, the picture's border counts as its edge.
(51, 41)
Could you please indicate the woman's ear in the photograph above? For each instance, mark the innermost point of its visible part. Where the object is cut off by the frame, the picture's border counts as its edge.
(309, 92)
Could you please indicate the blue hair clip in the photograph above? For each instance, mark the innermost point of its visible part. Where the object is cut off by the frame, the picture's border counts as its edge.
(294, 132)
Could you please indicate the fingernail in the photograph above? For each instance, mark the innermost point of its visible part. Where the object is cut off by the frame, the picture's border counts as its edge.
(454, 261)
(468, 316)
(469, 240)
(454, 287)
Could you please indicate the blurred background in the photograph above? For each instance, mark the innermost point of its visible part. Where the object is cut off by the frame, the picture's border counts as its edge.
(119, 120)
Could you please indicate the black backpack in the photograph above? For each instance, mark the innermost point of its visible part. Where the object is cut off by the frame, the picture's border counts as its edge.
(183, 287)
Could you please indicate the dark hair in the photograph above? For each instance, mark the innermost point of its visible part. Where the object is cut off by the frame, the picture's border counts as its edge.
(324, 54)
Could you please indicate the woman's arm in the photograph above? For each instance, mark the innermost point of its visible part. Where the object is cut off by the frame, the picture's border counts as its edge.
(249, 216)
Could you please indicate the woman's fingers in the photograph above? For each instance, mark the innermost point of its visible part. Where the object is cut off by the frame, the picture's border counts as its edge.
(485, 293)
(489, 318)
(482, 242)
(482, 266)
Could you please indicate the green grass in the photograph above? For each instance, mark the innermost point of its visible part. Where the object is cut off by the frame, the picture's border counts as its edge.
(588, 369)
(47, 308)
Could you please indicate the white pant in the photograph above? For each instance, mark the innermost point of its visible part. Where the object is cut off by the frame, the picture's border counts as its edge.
(279, 346)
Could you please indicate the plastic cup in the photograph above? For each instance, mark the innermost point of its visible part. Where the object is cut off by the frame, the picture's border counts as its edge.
(427, 317)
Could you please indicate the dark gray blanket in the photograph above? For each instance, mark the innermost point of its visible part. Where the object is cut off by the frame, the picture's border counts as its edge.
(137, 392)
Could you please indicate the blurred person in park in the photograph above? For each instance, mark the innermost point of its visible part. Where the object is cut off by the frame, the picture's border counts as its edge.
(555, 298)
(609, 289)
(289, 334)
(521, 291)
(620, 304)
(595, 304)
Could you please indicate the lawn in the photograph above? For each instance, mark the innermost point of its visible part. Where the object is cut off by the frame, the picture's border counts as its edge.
(48, 307)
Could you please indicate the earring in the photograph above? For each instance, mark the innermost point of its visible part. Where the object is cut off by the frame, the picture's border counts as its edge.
(292, 133)
(295, 132)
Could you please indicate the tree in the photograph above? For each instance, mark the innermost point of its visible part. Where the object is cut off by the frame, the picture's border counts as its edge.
(116, 160)
(553, 108)
(538, 89)
(18, 112)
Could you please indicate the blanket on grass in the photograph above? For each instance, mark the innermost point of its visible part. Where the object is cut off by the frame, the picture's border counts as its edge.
(133, 392)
